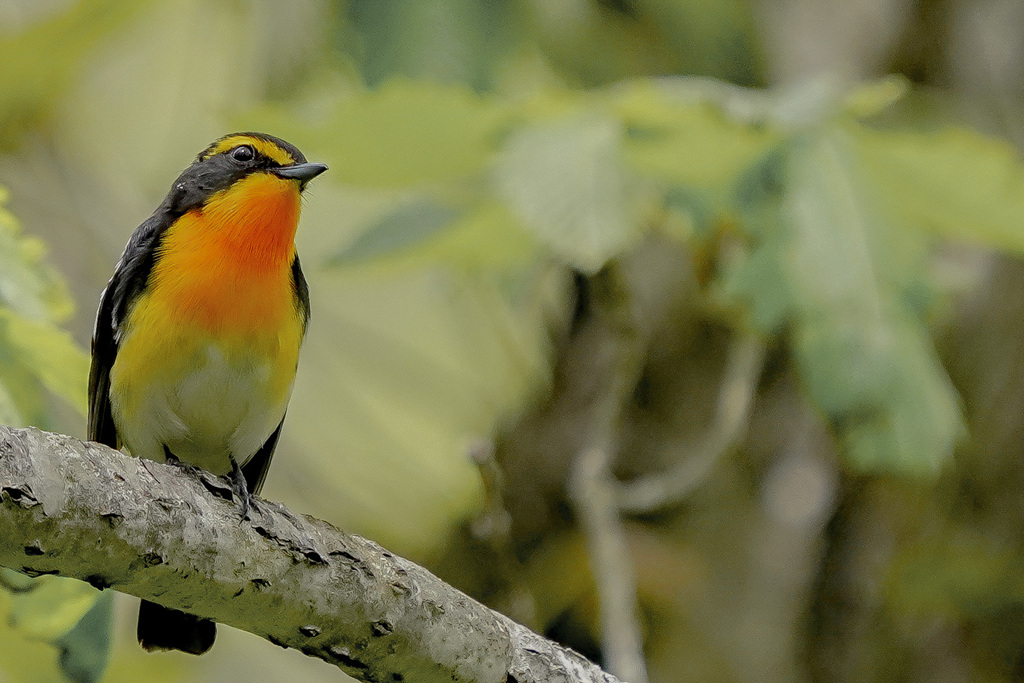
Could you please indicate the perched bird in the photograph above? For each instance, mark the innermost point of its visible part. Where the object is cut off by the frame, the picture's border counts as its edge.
(198, 331)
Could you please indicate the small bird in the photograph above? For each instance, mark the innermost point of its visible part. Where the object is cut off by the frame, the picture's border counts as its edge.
(198, 332)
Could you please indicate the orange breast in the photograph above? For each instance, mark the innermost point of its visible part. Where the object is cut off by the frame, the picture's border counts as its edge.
(227, 267)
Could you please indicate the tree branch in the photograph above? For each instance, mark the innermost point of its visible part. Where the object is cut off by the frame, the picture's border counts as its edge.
(592, 489)
(593, 493)
(652, 492)
(161, 533)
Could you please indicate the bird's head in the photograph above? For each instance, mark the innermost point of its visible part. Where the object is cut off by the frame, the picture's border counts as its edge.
(243, 165)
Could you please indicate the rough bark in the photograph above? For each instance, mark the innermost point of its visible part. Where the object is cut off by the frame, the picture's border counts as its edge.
(176, 538)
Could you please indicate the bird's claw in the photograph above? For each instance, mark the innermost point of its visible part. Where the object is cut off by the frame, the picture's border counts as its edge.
(240, 489)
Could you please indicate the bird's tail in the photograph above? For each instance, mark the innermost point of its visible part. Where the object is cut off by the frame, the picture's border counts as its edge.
(162, 628)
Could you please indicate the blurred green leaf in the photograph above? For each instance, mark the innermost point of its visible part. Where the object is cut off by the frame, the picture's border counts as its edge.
(23, 660)
(72, 616)
(23, 387)
(596, 43)
(874, 97)
(33, 350)
(437, 40)
(51, 607)
(485, 238)
(9, 412)
(957, 183)
(40, 61)
(826, 265)
(403, 133)
(404, 227)
(53, 628)
(688, 141)
(760, 277)
(28, 286)
(565, 180)
(690, 213)
(15, 581)
(708, 37)
(49, 353)
(85, 649)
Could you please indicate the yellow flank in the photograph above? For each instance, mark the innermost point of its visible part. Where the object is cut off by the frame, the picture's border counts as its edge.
(213, 342)
(269, 149)
(162, 345)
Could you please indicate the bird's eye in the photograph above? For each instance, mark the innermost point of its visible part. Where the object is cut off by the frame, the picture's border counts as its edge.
(243, 153)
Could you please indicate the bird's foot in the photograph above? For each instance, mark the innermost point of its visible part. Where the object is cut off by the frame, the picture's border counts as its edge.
(172, 459)
(240, 489)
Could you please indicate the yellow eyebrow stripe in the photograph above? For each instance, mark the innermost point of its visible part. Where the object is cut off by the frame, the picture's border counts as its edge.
(265, 147)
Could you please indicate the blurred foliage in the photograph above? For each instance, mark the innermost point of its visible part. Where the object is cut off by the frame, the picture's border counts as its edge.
(500, 170)
(37, 357)
(42, 60)
(854, 297)
(36, 353)
(588, 176)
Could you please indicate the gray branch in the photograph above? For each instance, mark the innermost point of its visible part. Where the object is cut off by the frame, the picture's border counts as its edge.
(743, 367)
(592, 489)
(593, 493)
(158, 532)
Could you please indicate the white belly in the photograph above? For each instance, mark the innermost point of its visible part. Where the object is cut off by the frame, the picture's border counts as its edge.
(217, 411)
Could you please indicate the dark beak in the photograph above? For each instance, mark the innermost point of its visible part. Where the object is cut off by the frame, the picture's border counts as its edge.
(301, 172)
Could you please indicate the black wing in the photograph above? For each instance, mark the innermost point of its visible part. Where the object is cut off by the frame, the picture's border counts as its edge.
(255, 471)
(104, 350)
(130, 278)
(301, 290)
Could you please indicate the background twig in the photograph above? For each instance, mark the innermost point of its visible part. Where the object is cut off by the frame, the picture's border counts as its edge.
(735, 398)
(592, 490)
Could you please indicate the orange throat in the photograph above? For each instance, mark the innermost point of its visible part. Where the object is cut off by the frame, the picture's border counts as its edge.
(227, 266)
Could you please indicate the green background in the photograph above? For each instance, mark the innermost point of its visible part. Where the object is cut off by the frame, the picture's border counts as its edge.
(551, 224)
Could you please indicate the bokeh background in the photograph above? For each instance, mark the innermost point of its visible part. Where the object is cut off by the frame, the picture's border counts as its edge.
(683, 328)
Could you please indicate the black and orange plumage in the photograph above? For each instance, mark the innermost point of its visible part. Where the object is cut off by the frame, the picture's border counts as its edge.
(198, 331)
